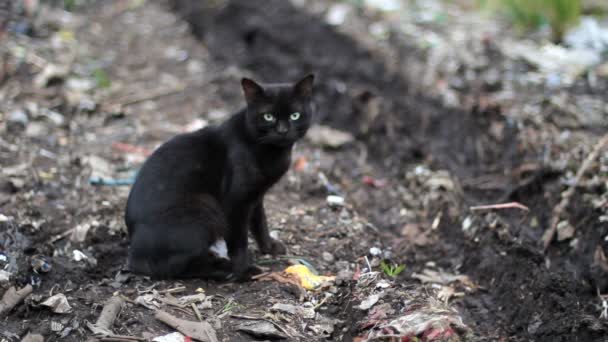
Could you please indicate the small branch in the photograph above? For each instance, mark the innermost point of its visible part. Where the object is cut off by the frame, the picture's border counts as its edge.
(108, 315)
(201, 331)
(567, 195)
(509, 205)
(12, 297)
(151, 95)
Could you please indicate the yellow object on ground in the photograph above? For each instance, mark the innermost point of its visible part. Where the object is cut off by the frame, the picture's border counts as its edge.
(308, 280)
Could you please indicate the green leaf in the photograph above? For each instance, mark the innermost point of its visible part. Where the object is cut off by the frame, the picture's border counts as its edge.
(101, 78)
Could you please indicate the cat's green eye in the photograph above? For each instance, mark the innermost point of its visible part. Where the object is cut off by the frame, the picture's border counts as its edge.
(294, 116)
(269, 117)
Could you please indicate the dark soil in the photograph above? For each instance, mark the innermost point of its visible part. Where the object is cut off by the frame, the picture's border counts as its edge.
(524, 294)
(523, 298)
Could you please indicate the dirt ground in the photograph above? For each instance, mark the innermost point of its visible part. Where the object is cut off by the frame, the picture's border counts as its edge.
(418, 157)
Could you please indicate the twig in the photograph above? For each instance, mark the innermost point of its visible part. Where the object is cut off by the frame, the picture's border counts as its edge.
(173, 290)
(567, 195)
(12, 297)
(151, 95)
(108, 315)
(196, 312)
(201, 331)
(509, 205)
(61, 236)
(122, 338)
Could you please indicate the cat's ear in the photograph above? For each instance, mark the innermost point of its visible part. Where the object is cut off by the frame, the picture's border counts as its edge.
(252, 90)
(303, 88)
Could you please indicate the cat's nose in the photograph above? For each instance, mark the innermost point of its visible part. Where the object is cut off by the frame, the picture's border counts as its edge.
(282, 127)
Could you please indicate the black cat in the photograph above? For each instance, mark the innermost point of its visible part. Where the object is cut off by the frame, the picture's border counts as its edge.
(201, 191)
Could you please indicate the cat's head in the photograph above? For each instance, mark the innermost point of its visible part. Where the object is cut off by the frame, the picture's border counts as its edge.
(278, 114)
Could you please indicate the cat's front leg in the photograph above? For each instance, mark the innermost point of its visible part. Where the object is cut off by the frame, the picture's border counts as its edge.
(236, 241)
(259, 228)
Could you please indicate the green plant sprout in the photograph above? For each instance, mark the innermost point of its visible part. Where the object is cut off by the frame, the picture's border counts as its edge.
(392, 270)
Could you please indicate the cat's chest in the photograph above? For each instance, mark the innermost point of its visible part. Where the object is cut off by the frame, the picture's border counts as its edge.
(256, 173)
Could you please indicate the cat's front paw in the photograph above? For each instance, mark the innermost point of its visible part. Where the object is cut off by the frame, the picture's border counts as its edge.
(275, 247)
(246, 274)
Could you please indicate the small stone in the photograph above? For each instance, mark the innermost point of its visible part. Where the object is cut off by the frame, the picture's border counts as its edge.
(17, 120)
(335, 201)
(328, 257)
(375, 251)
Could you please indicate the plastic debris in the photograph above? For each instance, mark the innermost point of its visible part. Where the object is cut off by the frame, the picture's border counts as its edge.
(172, 337)
(261, 329)
(335, 201)
(375, 251)
(78, 255)
(40, 264)
(5, 276)
(370, 301)
(58, 304)
(308, 280)
(79, 234)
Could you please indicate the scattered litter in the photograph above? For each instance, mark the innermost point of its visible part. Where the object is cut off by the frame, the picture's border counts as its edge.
(384, 5)
(32, 338)
(440, 277)
(304, 312)
(149, 300)
(375, 251)
(300, 164)
(111, 309)
(49, 73)
(328, 257)
(368, 302)
(335, 201)
(555, 62)
(16, 120)
(201, 331)
(79, 234)
(78, 255)
(261, 329)
(40, 264)
(565, 231)
(328, 137)
(58, 304)
(5, 276)
(56, 326)
(376, 183)
(124, 147)
(307, 279)
(435, 322)
(172, 337)
(500, 206)
(12, 297)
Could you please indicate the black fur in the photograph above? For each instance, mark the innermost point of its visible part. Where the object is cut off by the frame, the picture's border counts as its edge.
(210, 184)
